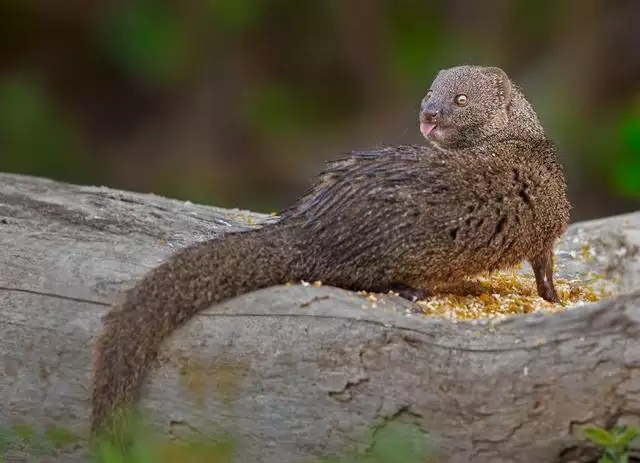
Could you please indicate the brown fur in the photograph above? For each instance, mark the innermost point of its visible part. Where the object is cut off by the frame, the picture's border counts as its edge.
(488, 195)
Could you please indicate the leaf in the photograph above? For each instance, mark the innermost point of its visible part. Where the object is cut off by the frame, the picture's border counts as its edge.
(625, 434)
(24, 431)
(60, 437)
(399, 442)
(110, 453)
(598, 435)
(144, 450)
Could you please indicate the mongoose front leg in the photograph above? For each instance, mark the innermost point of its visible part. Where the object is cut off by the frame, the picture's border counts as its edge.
(543, 270)
(409, 293)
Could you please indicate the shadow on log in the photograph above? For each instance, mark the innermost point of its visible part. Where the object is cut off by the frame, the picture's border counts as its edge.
(294, 373)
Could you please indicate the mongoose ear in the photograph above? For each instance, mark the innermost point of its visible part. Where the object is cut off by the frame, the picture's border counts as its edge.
(502, 81)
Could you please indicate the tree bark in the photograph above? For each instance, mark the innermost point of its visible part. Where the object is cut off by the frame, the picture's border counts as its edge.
(294, 373)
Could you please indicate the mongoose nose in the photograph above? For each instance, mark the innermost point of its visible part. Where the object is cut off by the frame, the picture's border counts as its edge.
(429, 115)
(429, 112)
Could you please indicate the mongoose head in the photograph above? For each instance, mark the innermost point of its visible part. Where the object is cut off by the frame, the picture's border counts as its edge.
(466, 104)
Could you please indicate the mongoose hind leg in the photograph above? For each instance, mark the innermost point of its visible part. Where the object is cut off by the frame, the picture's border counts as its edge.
(401, 289)
(542, 266)
(408, 292)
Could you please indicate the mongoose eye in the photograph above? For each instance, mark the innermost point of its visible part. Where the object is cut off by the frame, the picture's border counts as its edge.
(461, 100)
(429, 93)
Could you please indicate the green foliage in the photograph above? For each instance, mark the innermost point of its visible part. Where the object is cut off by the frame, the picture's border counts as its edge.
(34, 137)
(146, 38)
(395, 442)
(405, 37)
(615, 443)
(625, 171)
(277, 109)
(235, 17)
(26, 438)
(144, 448)
(284, 74)
(24, 432)
(391, 442)
(60, 437)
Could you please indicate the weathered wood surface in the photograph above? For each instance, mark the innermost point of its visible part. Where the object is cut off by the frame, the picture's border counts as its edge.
(297, 372)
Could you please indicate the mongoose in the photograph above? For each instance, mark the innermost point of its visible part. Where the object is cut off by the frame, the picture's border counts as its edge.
(486, 192)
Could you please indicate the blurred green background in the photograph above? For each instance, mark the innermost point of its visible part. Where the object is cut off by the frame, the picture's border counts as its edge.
(236, 102)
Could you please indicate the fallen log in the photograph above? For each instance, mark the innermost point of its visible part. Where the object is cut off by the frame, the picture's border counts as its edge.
(294, 373)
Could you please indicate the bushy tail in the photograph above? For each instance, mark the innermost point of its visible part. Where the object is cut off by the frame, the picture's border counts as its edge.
(189, 282)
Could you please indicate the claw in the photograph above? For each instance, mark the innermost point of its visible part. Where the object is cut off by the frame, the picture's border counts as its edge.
(543, 270)
(409, 293)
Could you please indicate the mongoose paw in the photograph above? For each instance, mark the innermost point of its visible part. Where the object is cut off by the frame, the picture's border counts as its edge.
(549, 294)
(409, 293)
(543, 270)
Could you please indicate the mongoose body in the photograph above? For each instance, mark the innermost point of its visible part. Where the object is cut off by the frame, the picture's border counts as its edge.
(486, 192)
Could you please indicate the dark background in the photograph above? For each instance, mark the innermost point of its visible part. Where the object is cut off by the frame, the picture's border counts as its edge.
(236, 102)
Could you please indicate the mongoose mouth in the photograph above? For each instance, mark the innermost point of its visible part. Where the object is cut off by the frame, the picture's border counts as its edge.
(427, 128)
